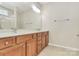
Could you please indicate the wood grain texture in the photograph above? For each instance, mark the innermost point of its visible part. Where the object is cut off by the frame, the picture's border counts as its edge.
(17, 50)
(24, 45)
(6, 42)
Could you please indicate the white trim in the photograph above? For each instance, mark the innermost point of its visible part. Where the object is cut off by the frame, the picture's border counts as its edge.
(65, 47)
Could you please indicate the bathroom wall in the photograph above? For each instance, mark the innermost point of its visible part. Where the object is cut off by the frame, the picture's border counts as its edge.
(62, 20)
(29, 20)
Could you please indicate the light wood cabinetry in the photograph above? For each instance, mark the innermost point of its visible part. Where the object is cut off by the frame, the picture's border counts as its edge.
(6, 42)
(24, 45)
(43, 40)
(23, 38)
(47, 38)
(17, 50)
(31, 46)
(39, 42)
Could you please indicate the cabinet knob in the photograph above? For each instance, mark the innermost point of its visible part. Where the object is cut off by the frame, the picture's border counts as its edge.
(6, 43)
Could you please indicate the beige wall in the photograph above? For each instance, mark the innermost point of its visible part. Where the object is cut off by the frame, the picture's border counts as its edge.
(62, 32)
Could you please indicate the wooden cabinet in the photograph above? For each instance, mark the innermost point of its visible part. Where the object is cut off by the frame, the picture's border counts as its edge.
(39, 47)
(39, 42)
(6, 42)
(24, 45)
(30, 42)
(34, 44)
(47, 38)
(23, 38)
(43, 40)
(31, 48)
(17, 50)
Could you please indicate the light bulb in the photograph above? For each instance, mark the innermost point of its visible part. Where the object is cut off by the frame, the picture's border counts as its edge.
(35, 9)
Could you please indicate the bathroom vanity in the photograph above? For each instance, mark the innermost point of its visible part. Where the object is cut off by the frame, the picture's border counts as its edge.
(20, 31)
(23, 44)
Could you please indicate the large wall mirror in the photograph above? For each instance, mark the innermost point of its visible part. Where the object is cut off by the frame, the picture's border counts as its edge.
(20, 15)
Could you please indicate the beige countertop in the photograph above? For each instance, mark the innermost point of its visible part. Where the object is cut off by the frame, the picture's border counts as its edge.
(9, 33)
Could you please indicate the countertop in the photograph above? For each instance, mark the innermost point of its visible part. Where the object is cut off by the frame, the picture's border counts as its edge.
(9, 33)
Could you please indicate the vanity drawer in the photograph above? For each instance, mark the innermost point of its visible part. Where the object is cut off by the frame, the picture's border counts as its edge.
(23, 38)
(34, 36)
(6, 42)
(39, 34)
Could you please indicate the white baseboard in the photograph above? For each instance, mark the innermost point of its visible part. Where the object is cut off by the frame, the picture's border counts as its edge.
(68, 48)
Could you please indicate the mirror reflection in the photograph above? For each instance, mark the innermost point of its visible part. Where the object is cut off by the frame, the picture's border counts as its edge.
(20, 15)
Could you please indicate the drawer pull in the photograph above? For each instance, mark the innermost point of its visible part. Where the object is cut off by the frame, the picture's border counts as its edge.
(6, 43)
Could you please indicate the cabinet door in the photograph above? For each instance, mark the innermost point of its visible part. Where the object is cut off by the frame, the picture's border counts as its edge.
(31, 48)
(43, 40)
(1, 54)
(47, 38)
(18, 50)
(39, 46)
(39, 42)
(34, 48)
(28, 49)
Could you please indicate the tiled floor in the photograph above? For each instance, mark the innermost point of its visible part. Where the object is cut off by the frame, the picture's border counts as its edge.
(55, 51)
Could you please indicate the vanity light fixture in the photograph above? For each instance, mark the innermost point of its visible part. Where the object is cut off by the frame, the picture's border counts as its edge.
(35, 9)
